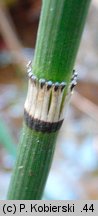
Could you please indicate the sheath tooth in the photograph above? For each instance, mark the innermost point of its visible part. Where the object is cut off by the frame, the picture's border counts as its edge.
(34, 98)
(60, 96)
(65, 105)
(57, 111)
(28, 64)
(34, 79)
(40, 99)
(29, 70)
(63, 85)
(30, 74)
(32, 90)
(56, 86)
(49, 84)
(53, 103)
(67, 99)
(46, 101)
(73, 71)
(73, 84)
(42, 82)
(26, 105)
(74, 76)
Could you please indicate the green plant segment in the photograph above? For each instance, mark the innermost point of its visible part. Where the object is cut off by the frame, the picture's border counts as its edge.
(32, 168)
(59, 34)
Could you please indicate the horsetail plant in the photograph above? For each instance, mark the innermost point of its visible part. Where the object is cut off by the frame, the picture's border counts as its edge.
(51, 83)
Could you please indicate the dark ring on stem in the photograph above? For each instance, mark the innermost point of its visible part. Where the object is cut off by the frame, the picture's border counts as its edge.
(41, 126)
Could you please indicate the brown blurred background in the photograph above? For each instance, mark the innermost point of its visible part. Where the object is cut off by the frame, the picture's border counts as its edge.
(74, 172)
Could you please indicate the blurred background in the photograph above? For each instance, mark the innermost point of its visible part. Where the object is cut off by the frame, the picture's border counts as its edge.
(74, 172)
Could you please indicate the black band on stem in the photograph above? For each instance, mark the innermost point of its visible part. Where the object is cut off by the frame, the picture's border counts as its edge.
(41, 126)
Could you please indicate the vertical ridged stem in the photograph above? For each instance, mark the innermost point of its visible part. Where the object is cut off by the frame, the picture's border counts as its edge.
(59, 34)
(34, 159)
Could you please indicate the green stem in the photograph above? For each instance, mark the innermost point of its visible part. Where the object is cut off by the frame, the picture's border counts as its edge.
(34, 159)
(59, 34)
